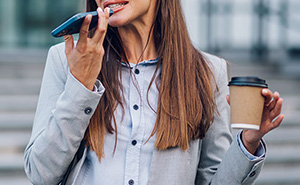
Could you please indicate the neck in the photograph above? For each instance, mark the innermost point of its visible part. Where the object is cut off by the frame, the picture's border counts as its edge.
(138, 42)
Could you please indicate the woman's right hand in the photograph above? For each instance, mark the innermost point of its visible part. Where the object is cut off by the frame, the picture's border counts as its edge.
(85, 60)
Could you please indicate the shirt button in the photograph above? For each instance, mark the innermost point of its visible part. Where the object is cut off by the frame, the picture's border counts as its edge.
(134, 142)
(252, 174)
(135, 107)
(136, 71)
(88, 110)
(131, 182)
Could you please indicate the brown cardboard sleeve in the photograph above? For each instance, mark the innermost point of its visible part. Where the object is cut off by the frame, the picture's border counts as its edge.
(247, 105)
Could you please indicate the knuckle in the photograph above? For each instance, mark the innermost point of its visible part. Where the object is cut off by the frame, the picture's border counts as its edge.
(82, 48)
(92, 49)
(83, 32)
(100, 50)
(101, 30)
(67, 52)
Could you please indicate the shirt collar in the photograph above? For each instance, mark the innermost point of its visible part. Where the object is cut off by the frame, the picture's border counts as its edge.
(144, 62)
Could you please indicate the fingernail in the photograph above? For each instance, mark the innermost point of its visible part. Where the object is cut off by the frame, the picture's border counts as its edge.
(99, 9)
(89, 17)
(265, 91)
(111, 12)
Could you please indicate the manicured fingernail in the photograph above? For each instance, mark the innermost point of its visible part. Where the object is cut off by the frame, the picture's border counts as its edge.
(265, 91)
(89, 17)
(99, 9)
(111, 12)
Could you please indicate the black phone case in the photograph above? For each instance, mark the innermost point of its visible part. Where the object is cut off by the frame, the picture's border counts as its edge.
(73, 25)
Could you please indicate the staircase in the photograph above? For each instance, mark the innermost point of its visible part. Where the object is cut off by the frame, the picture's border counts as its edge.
(20, 78)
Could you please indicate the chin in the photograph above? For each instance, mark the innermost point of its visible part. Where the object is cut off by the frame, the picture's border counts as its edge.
(114, 22)
(117, 22)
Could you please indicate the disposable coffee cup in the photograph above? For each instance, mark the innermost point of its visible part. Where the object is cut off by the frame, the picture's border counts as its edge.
(246, 102)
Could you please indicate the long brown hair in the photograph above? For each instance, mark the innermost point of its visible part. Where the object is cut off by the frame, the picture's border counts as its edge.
(186, 103)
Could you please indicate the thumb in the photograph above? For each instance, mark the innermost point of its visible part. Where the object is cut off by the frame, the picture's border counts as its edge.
(69, 44)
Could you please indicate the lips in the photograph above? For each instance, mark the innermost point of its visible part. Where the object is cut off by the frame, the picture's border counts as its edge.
(115, 5)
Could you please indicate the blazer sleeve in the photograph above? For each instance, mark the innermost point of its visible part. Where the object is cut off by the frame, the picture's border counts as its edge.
(64, 110)
(222, 160)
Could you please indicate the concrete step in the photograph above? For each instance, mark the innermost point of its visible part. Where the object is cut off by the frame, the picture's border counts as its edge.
(291, 119)
(23, 55)
(16, 121)
(14, 141)
(249, 69)
(291, 103)
(279, 175)
(21, 70)
(283, 154)
(24, 86)
(14, 178)
(284, 86)
(10, 161)
(283, 136)
(18, 103)
(292, 69)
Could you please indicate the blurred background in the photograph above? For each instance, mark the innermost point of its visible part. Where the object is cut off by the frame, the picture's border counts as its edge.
(257, 37)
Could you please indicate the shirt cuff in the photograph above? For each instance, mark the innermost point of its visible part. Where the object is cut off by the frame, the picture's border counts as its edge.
(98, 87)
(260, 152)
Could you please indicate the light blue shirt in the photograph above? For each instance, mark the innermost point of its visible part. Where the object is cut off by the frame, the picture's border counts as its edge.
(130, 164)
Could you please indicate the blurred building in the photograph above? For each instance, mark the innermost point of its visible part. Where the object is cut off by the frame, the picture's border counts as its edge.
(215, 25)
(264, 28)
(28, 23)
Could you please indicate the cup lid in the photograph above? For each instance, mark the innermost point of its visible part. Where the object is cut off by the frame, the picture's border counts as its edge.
(248, 81)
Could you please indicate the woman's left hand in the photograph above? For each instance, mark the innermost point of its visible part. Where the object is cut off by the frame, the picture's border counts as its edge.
(271, 119)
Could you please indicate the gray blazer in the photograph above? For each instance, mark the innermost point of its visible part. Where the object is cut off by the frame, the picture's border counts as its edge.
(63, 112)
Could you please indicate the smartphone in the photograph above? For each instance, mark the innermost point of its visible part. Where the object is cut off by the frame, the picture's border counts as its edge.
(73, 25)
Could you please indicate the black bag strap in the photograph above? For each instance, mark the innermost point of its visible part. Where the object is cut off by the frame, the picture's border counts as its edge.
(76, 158)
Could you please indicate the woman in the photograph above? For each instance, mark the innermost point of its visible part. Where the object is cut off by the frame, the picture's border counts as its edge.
(150, 107)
